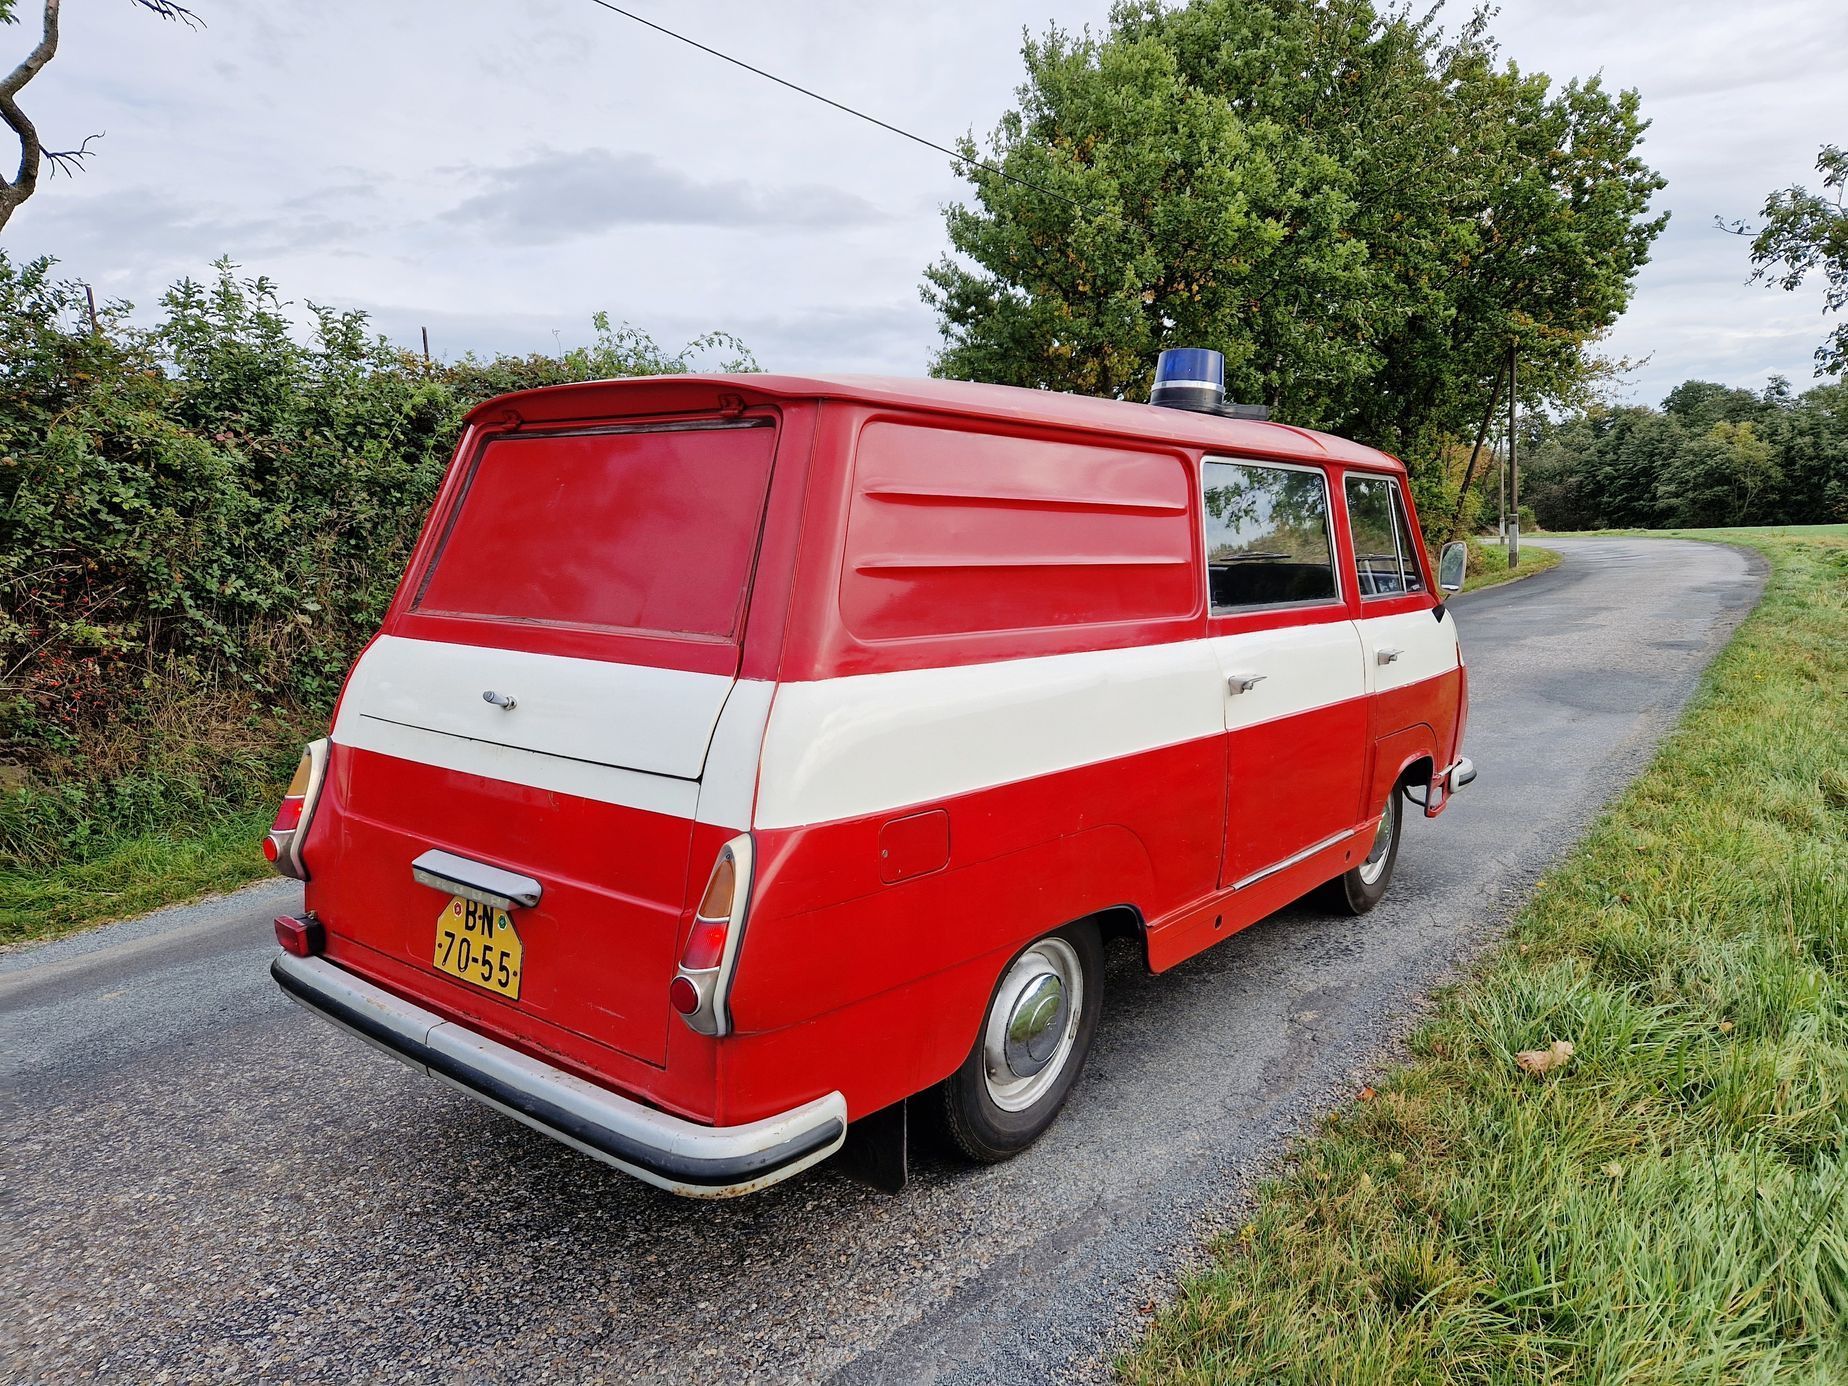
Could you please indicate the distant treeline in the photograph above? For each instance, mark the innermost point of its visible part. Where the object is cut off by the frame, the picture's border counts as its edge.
(1711, 455)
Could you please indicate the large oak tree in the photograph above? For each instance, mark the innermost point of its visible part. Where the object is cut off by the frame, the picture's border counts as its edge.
(1359, 210)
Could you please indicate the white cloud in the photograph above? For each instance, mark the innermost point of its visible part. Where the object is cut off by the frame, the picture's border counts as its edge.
(499, 172)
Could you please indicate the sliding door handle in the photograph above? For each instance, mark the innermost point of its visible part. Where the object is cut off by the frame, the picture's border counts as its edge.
(1387, 656)
(1243, 683)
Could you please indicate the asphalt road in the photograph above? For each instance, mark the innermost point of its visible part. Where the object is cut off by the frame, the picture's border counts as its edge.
(200, 1179)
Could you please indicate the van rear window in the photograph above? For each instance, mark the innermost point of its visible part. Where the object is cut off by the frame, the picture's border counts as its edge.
(649, 529)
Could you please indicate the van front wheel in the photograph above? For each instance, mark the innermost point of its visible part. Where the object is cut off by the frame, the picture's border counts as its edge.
(1033, 1042)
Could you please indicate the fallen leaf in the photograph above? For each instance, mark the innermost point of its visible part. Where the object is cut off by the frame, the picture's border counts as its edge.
(1545, 1060)
(1726, 1027)
(1614, 1170)
(1367, 1094)
(1146, 1307)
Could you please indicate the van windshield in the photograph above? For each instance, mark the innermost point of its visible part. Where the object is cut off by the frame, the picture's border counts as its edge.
(648, 528)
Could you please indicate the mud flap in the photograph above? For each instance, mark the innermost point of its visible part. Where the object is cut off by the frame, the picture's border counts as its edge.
(875, 1151)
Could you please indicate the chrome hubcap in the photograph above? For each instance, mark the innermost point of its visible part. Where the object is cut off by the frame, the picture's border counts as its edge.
(1030, 1027)
(1375, 865)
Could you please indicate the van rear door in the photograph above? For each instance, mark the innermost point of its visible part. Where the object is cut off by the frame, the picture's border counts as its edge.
(543, 702)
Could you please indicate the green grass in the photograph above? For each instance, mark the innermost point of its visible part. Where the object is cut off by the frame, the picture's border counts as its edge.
(1672, 1204)
(133, 876)
(1488, 563)
(1740, 535)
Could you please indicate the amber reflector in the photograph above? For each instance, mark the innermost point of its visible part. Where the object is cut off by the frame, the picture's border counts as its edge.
(720, 889)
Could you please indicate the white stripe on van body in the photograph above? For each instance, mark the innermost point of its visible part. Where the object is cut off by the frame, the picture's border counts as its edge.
(581, 779)
(1426, 647)
(655, 720)
(830, 749)
(841, 748)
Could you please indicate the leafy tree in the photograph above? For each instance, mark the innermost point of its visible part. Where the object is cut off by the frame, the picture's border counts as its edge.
(1807, 231)
(1721, 477)
(1700, 404)
(1358, 211)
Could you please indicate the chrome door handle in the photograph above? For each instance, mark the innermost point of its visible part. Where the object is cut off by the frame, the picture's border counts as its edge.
(1243, 683)
(1387, 656)
(500, 700)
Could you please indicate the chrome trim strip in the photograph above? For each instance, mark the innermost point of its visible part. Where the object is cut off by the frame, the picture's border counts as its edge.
(714, 983)
(667, 1151)
(492, 886)
(694, 425)
(1288, 862)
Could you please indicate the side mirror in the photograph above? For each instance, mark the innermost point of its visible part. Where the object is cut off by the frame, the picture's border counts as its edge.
(1451, 565)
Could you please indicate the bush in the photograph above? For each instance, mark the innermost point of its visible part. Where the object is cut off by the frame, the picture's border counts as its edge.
(200, 524)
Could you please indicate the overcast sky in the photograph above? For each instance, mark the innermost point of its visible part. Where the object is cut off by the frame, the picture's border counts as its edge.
(498, 171)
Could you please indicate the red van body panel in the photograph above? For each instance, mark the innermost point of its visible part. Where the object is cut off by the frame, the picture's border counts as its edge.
(953, 669)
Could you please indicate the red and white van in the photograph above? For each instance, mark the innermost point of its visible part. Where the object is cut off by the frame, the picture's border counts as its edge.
(744, 755)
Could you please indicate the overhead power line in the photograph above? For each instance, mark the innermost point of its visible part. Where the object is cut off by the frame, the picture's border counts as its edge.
(839, 106)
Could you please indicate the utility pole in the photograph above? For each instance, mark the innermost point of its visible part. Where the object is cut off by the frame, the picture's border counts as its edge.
(426, 337)
(89, 297)
(1514, 475)
(1501, 493)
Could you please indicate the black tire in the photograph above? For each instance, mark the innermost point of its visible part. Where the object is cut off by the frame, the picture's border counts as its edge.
(979, 1110)
(1358, 890)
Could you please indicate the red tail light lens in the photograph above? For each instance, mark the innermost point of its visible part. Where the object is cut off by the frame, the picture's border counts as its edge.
(701, 988)
(283, 847)
(706, 944)
(300, 934)
(683, 995)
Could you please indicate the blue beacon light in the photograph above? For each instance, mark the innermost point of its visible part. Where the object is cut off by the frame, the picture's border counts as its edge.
(1190, 378)
(1195, 378)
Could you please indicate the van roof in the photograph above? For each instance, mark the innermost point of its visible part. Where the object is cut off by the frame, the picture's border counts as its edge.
(1003, 403)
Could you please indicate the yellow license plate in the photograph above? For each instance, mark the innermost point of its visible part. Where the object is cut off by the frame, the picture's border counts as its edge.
(478, 944)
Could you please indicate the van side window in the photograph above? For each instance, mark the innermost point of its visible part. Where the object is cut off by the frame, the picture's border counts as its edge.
(1383, 557)
(1267, 540)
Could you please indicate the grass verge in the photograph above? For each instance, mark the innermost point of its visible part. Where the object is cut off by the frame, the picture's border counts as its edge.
(1671, 1203)
(134, 876)
(1488, 564)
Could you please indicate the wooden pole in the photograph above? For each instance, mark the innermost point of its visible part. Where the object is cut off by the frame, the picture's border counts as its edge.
(1514, 474)
(89, 296)
(426, 337)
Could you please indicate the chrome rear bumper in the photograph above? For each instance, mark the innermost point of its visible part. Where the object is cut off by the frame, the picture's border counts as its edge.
(668, 1151)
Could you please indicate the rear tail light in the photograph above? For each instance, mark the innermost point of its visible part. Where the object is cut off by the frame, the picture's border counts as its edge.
(283, 847)
(300, 934)
(701, 989)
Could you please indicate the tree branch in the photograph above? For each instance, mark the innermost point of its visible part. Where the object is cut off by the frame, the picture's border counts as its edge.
(31, 64)
(68, 161)
(33, 156)
(166, 9)
(25, 182)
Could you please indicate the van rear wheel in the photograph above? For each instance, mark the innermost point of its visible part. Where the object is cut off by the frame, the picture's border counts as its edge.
(1364, 886)
(1034, 1039)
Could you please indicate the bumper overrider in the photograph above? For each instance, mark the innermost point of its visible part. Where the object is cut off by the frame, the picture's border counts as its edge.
(668, 1151)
